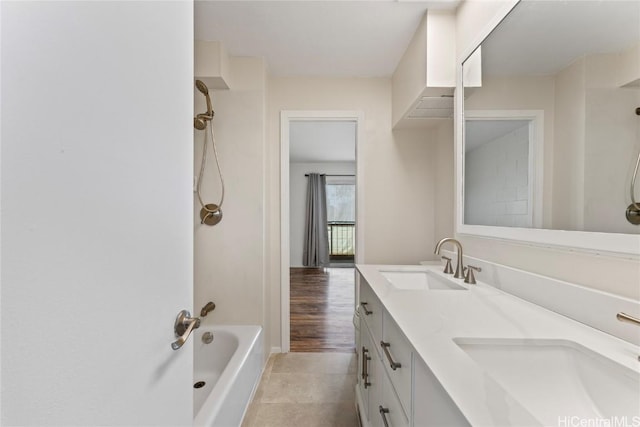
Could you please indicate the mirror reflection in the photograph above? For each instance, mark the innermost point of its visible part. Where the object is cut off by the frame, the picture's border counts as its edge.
(497, 173)
(551, 135)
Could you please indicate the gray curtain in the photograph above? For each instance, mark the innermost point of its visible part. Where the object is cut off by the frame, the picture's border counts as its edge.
(316, 236)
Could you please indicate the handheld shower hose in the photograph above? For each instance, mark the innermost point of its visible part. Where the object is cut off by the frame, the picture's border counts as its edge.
(211, 213)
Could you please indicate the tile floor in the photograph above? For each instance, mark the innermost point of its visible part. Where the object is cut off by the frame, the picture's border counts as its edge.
(305, 389)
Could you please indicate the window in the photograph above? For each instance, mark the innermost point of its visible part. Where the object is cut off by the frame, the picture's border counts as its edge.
(341, 217)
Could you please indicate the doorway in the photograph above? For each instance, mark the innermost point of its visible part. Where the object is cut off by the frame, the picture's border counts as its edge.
(320, 301)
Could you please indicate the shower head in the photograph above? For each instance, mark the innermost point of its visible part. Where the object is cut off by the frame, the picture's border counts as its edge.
(202, 87)
(200, 121)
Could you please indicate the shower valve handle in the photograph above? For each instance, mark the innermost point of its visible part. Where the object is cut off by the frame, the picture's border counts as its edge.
(185, 324)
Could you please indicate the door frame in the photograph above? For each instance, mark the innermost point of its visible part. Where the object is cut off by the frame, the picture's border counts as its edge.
(286, 117)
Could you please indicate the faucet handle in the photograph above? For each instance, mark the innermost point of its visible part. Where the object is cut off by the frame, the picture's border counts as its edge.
(624, 317)
(469, 277)
(183, 327)
(447, 268)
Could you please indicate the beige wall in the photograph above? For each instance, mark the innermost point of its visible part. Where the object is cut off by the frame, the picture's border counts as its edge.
(398, 173)
(612, 274)
(629, 71)
(229, 257)
(444, 202)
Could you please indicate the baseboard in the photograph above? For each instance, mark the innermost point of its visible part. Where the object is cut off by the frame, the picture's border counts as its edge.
(275, 350)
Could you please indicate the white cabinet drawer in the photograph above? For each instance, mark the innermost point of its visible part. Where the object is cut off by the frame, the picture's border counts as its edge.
(366, 353)
(371, 310)
(396, 358)
(390, 408)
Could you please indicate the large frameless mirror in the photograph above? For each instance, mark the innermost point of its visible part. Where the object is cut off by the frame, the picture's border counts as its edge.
(551, 134)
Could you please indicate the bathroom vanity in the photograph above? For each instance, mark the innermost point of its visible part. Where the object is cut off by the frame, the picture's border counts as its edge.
(546, 142)
(434, 351)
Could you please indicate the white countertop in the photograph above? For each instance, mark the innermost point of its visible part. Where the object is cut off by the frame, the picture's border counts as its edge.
(431, 320)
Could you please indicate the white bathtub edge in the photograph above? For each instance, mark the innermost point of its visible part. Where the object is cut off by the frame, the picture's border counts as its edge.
(250, 347)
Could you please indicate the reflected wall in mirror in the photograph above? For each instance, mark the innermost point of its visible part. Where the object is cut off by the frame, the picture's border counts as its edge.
(576, 67)
(503, 160)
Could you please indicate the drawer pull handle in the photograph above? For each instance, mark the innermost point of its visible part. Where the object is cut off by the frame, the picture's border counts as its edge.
(365, 367)
(385, 346)
(364, 307)
(383, 414)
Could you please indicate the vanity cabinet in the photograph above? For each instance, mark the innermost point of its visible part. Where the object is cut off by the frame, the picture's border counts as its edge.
(367, 376)
(389, 407)
(379, 405)
(396, 354)
(395, 387)
(371, 311)
(433, 406)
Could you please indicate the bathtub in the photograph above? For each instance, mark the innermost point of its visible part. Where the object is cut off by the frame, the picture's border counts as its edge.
(230, 366)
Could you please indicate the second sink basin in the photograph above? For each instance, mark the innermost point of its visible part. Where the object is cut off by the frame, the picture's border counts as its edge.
(419, 280)
(554, 379)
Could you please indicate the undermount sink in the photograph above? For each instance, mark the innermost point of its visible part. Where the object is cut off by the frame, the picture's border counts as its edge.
(558, 378)
(419, 280)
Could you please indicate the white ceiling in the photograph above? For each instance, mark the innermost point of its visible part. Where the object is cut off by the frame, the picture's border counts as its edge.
(322, 141)
(316, 38)
(543, 37)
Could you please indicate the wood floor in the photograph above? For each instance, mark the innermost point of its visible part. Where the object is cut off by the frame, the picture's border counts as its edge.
(322, 304)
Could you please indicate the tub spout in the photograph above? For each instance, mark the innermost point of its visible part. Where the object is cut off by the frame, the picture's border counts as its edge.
(208, 308)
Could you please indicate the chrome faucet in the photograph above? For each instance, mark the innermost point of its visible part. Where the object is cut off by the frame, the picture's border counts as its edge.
(459, 267)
